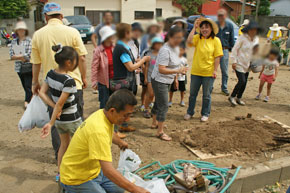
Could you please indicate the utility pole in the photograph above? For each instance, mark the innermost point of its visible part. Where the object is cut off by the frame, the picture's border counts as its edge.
(257, 9)
(243, 12)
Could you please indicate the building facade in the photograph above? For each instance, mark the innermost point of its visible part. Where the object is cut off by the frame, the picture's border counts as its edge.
(234, 7)
(127, 11)
(280, 8)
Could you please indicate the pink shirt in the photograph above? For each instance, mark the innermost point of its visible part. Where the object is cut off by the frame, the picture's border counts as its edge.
(100, 66)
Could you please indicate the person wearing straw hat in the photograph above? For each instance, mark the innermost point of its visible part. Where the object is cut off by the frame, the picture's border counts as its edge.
(241, 57)
(102, 65)
(20, 51)
(246, 22)
(206, 60)
(274, 33)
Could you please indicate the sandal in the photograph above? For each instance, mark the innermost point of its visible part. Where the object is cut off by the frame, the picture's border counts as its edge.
(146, 114)
(164, 137)
(156, 127)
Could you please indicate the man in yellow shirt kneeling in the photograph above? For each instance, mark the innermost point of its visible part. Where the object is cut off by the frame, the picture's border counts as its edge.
(87, 164)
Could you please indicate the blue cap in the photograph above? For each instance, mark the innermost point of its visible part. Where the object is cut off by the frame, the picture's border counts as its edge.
(51, 9)
(157, 39)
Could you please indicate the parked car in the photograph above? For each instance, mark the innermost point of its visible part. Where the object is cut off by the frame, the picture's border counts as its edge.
(192, 18)
(83, 25)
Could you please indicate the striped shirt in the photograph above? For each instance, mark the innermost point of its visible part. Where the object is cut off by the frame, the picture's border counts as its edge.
(26, 43)
(59, 83)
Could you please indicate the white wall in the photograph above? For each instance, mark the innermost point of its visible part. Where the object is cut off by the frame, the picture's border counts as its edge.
(67, 6)
(128, 8)
(168, 10)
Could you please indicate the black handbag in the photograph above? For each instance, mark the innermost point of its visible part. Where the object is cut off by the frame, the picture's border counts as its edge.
(26, 67)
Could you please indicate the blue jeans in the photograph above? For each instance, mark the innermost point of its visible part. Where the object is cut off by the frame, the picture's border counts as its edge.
(100, 184)
(224, 63)
(207, 86)
(104, 94)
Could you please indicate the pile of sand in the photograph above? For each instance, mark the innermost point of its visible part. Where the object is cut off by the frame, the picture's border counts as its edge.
(246, 136)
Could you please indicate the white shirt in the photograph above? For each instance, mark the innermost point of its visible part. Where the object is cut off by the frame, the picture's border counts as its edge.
(270, 67)
(242, 52)
(183, 63)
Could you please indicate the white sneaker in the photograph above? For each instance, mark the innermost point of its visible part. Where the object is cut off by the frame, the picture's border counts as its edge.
(204, 119)
(233, 101)
(142, 108)
(258, 97)
(266, 99)
(187, 117)
(240, 102)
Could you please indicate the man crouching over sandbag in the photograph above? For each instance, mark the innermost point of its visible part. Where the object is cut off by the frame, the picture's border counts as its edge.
(87, 164)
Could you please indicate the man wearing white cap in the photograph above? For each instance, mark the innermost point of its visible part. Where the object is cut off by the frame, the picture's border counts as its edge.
(274, 33)
(55, 32)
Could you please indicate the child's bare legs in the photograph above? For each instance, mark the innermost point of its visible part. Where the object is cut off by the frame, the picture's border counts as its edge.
(64, 142)
(261, 86)
(149, 95)
(269, 85)
(170, 96)
(181, 96)
(143, 95)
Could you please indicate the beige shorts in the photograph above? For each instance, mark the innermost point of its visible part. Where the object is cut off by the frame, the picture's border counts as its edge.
(70, 128)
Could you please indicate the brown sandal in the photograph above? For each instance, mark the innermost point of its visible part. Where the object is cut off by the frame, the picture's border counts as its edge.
(164, 137)
(156, 127)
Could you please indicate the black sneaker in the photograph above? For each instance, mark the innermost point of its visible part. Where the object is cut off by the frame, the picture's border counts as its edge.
(225, 92)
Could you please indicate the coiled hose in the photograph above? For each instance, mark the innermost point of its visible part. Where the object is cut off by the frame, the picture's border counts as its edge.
(216, 176)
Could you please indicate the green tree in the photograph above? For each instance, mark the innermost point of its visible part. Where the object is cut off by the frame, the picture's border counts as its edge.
(190, 7)
(264, 8)
(13, 8)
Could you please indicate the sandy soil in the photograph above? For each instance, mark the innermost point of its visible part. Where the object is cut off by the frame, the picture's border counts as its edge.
(27, 162)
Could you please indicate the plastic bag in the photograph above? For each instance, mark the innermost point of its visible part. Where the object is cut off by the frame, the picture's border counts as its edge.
(35, 115)
(129, 161)
(153, 186)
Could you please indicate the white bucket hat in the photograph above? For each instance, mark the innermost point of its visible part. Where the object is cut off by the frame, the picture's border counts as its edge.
(106, 32)
(275, 27)
(246, 22)
(20, 25)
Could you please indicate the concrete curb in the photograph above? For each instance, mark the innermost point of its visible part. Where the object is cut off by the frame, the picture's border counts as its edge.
(263, 174)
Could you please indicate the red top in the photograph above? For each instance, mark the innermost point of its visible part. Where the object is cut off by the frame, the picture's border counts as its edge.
(110, 60)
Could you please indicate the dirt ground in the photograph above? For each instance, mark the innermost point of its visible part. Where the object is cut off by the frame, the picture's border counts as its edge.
(27, 162)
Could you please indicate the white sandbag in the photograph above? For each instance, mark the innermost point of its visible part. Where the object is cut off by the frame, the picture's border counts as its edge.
(257, 65)
(153, 186)
(35, 115)
(129, 161)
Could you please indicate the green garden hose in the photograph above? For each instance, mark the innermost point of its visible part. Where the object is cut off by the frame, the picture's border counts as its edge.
(217, 176)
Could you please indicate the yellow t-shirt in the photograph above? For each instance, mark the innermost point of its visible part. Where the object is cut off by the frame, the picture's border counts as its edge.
(51, 34)
(276, 35)
(206, 50)
(240, 30)
(91, 142)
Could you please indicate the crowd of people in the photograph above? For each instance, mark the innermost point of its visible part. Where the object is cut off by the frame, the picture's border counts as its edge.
(120, 63)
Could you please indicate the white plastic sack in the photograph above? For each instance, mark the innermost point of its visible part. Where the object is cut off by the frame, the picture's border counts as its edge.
(153, 186)
(129, 161)
(35, 115)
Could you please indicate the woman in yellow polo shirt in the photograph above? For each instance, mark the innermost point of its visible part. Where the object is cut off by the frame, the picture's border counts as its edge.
(206, 60)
